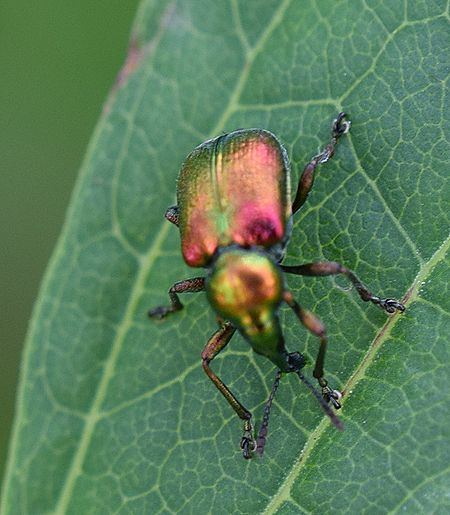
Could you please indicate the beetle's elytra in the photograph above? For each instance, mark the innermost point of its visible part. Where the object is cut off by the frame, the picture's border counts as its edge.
(235, 216)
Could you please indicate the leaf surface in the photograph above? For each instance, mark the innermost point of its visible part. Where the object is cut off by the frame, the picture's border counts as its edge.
(114, 412)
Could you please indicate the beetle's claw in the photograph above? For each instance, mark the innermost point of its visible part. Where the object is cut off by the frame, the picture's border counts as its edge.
(333, 396)
(248, 444)
(341, 126)
(392, 305)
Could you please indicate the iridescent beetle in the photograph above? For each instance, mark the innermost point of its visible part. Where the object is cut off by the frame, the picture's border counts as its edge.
(235, 218)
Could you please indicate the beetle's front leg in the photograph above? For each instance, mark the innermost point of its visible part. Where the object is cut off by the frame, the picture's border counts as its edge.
(215, 344)
(340, 127)
(324, 268)
(187, 286)
(316, 327)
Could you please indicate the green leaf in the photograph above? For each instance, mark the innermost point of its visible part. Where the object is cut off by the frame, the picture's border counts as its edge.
(114, 413)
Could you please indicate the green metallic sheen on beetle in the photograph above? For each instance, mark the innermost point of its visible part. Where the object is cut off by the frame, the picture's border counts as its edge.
(247, 289)
(234, 213)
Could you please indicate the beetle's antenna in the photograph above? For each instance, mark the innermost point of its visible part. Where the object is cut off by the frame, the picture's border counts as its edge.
(262, 434)
(327, 410)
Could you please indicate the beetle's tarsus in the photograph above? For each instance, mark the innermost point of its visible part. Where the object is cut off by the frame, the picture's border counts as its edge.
(341, 126)
(391, 305)
(248, 444)
(329, 395)
(333, 396)
(322, 401)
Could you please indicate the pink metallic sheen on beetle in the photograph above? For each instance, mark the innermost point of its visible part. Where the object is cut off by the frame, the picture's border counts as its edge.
(259, 225)
(233, 190)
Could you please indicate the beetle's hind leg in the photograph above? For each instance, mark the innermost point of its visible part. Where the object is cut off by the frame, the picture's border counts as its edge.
(324, 268)
(316, 327)
(215, 344)
(187, 286)
(339, 128)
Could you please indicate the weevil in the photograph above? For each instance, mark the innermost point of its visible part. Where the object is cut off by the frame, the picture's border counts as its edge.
(234, 213)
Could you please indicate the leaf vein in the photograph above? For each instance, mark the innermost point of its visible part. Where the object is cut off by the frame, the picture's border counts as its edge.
(373, 185)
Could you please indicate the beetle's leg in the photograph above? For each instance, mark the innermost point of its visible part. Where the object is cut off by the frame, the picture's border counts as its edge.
(316, 327)
(324, 268)
(215, 344)
(187, 286)
(340, 127)
(172, 215)
(263, 430)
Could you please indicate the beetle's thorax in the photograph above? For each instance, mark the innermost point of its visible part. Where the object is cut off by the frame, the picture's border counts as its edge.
(246, 286)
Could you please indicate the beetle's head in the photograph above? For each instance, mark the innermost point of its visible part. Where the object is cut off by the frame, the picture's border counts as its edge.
(246, 287)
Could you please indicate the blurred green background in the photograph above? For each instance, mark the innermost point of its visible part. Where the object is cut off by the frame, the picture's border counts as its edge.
(58, 61)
